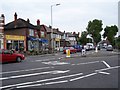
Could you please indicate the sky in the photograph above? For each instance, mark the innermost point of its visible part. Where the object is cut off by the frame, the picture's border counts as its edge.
(69, 16)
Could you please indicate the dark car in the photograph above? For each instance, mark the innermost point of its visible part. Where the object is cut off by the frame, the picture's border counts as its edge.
(72, 50)
(10, 56)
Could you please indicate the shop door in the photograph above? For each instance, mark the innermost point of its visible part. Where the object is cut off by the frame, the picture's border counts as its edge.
(16, 45)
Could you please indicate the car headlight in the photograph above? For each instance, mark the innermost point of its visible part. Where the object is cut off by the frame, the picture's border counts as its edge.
(23, 55)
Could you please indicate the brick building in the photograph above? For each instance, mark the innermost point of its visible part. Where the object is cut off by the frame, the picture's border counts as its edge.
(19, 33)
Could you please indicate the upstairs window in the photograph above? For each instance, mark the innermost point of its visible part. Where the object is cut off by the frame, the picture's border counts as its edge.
(31, 32)
(42, 34)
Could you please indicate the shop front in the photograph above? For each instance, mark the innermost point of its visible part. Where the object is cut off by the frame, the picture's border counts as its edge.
(57, 44)
(1, 40)
(15, 42)
(33, 44)
(43, 44)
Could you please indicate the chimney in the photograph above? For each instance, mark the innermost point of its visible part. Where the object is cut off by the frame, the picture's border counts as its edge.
(28, 20)
(38, 22)
(15, 20)
(15, 16)
(2, 15)
(2, 23)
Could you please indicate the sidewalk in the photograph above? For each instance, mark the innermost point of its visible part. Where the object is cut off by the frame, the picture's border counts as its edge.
(43, 55)
(99, 54)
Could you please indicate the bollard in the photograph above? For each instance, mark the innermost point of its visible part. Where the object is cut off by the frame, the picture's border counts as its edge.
(67, 53)
(84, 52)
(96, 49)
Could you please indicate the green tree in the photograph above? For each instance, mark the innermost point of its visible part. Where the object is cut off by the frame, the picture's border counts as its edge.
(110, 32)
(94, 28)
(83, 39)
(118, 42)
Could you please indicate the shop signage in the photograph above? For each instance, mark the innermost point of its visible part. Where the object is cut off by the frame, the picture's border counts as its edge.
(1, 35)
(14, 37)
(57, 39)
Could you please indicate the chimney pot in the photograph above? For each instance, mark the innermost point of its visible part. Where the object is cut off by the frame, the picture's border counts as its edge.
(15, 16)
(38, 22)
(28, 20)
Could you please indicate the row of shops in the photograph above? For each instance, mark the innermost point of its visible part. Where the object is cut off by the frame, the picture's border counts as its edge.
(23, 43)
(21, 35)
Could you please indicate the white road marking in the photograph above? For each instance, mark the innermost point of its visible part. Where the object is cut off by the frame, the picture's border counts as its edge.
(106, 64)
(43, 84)
(73, 64)
(100, 70)
(43, 60)
(55, 63)
(88, 63)
(34, 74)
(56, 82)
(104, 73)
(26, 83)
(25, 70)
(83, 77)
(107, 69)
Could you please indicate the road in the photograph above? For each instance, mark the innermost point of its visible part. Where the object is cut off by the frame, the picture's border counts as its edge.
(96, 70)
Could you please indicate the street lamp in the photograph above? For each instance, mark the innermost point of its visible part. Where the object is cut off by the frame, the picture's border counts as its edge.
(51, 26)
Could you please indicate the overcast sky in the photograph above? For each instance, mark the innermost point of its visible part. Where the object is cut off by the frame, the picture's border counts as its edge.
(70, 15)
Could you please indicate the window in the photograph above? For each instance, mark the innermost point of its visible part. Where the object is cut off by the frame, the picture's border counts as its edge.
(42, 34)
(0, 43)
(31, 32)
(0, 51)
(6, 52)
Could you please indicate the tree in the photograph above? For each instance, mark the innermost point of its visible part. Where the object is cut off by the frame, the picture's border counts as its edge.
(94, 28)
(118, 42)
(83, 39)
(110, 32)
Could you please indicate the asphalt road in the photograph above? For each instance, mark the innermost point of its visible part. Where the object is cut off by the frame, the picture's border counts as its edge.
(96, 70)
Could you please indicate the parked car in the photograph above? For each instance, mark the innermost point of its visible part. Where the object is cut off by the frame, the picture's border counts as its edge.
(98, 46)
(78, 47)
(10, 56)
(86, 47)
(109, 48)
(72, 50)
(90, 46)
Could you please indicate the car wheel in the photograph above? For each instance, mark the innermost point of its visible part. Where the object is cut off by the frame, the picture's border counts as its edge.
(18, 59)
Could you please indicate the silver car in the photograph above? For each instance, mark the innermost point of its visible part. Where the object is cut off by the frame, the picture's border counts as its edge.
(109, 48)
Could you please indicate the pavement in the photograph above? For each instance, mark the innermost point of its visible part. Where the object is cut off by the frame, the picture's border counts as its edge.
(88, 54)
(98, 54)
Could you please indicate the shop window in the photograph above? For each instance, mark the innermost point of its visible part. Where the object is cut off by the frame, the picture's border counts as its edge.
(0, 51)
(42, 34)
(0, 43)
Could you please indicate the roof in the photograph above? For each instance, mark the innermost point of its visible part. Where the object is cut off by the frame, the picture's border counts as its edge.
(70, 34)
(47, 29)
(20, 23)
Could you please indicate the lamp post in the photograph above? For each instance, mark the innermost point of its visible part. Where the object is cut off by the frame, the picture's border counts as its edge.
(51, 27)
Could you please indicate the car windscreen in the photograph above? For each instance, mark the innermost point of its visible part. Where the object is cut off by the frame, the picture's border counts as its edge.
(0, 51)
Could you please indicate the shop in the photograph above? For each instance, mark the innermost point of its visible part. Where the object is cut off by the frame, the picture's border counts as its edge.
(33, 44)
(1, 41)
(57, 44)
(43, 44)
(15, 42)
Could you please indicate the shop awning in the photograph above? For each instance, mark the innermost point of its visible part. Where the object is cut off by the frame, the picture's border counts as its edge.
(43, 40)
(32, 38)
